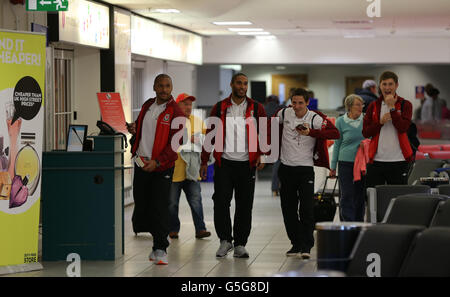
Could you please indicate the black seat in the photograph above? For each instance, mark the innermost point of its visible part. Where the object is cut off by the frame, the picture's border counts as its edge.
(390, 242)
(422, 168)
(442, 216)
(444, 189)
(380, 198)
(412, 209)
(429, 254)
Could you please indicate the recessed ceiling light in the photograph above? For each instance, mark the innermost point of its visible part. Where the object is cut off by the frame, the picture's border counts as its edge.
(233, 67)
(165, 10)
(266, 37)
(245, 29)
(232, 23)
(359, 35)
(253, 33)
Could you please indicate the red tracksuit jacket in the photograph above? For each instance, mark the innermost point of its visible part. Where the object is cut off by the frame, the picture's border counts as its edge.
(226, 103)
(401, 119)
(162, 150)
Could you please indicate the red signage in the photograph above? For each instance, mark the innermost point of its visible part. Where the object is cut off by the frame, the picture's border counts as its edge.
(420, 92)
(112, 111)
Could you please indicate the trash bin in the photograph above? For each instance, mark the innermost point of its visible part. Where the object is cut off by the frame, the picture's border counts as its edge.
(335, 242)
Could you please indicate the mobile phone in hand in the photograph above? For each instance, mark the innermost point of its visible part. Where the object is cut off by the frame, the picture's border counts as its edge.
(301, 127)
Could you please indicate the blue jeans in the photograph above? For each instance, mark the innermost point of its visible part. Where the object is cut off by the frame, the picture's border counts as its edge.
(192, 190)
(352, 198)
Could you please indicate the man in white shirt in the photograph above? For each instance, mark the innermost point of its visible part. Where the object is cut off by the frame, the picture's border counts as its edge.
(386, 122)
(301, 131)
(234, 169)
(155, 160)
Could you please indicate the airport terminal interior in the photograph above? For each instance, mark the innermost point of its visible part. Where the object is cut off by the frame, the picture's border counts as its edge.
(75, 76)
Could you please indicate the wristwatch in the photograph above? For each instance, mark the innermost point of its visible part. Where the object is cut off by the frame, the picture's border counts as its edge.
(392, 109)
(157, 163)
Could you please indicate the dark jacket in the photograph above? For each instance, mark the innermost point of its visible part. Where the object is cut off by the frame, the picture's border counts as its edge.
(368, 97)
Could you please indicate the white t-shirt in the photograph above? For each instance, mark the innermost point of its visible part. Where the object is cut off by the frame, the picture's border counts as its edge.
(388, 144)
(149, 130)
(236, 146)
(297, 149)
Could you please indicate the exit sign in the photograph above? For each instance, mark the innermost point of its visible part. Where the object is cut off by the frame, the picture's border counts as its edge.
(47, 5)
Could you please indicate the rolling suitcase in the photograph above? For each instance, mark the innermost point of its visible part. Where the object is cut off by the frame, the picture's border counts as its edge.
(324, 204)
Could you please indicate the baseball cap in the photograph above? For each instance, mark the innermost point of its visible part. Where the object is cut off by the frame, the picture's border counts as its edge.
(184, 96)
(369, 83)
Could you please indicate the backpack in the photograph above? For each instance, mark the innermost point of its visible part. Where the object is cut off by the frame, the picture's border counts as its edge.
(412, 135)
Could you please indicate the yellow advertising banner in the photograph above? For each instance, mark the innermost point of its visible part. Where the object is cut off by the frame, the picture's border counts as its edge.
(22, 86)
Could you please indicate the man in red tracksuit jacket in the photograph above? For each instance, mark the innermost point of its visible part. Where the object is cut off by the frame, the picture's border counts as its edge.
(155, 161)
(234, 169)
(387, 121)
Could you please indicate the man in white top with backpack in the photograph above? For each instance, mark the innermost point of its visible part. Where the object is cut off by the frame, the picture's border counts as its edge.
(303, 136)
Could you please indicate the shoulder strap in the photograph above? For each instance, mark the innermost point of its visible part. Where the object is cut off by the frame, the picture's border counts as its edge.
(312, 120)
(255, 115)
(282, 112)
(219, 109)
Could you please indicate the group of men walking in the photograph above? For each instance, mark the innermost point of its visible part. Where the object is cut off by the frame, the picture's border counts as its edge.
(301, 140)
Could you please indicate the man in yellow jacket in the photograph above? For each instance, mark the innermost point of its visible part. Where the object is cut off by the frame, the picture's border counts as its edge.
(186, 174)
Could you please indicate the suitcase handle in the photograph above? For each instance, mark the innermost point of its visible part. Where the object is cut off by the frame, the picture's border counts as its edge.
(325, 184)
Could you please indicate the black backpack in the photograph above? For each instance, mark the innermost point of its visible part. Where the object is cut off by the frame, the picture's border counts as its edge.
(412, 135)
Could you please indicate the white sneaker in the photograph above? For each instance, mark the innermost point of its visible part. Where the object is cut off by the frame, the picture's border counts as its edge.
(240, 252)
(161, 257)
(152, 256)
(305, 256)
(224, 249)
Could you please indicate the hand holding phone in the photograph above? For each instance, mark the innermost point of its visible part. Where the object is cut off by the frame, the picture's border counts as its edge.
(301, 127)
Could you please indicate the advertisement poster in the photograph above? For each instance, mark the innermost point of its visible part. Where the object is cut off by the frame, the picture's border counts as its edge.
(112, 111)
(22, 85)
(420, 92)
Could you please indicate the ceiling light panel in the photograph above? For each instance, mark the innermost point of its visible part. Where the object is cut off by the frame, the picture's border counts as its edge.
(237, 23)
(246, 29)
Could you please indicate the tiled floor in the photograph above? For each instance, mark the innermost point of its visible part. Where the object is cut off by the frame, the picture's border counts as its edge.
(193, 257)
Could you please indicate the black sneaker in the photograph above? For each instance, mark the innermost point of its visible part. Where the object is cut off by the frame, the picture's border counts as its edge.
(293, 252)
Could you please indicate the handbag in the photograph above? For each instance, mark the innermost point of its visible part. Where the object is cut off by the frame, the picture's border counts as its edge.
(324, 204)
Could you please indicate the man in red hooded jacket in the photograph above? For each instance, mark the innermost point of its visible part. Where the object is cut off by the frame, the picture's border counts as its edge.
(386, 122)
(235, 166)
(155, 160)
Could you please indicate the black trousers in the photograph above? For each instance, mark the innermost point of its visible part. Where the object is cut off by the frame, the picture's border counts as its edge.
(297, 197)
(151, 192)
(238, 177)
(391, 173)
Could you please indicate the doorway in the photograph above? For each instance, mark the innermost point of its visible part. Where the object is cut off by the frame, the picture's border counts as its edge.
(353, 83)
(61, 105)
(283, 83)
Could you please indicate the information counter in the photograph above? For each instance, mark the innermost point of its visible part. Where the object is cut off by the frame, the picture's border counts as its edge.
(82, 202)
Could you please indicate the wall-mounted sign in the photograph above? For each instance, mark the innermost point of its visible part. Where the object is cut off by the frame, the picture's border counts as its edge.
(111, 110)
(47, 5)
(163, 42)
(85, 23)
(420, 92)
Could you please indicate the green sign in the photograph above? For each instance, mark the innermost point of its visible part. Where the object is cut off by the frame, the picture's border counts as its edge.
(47, 5)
